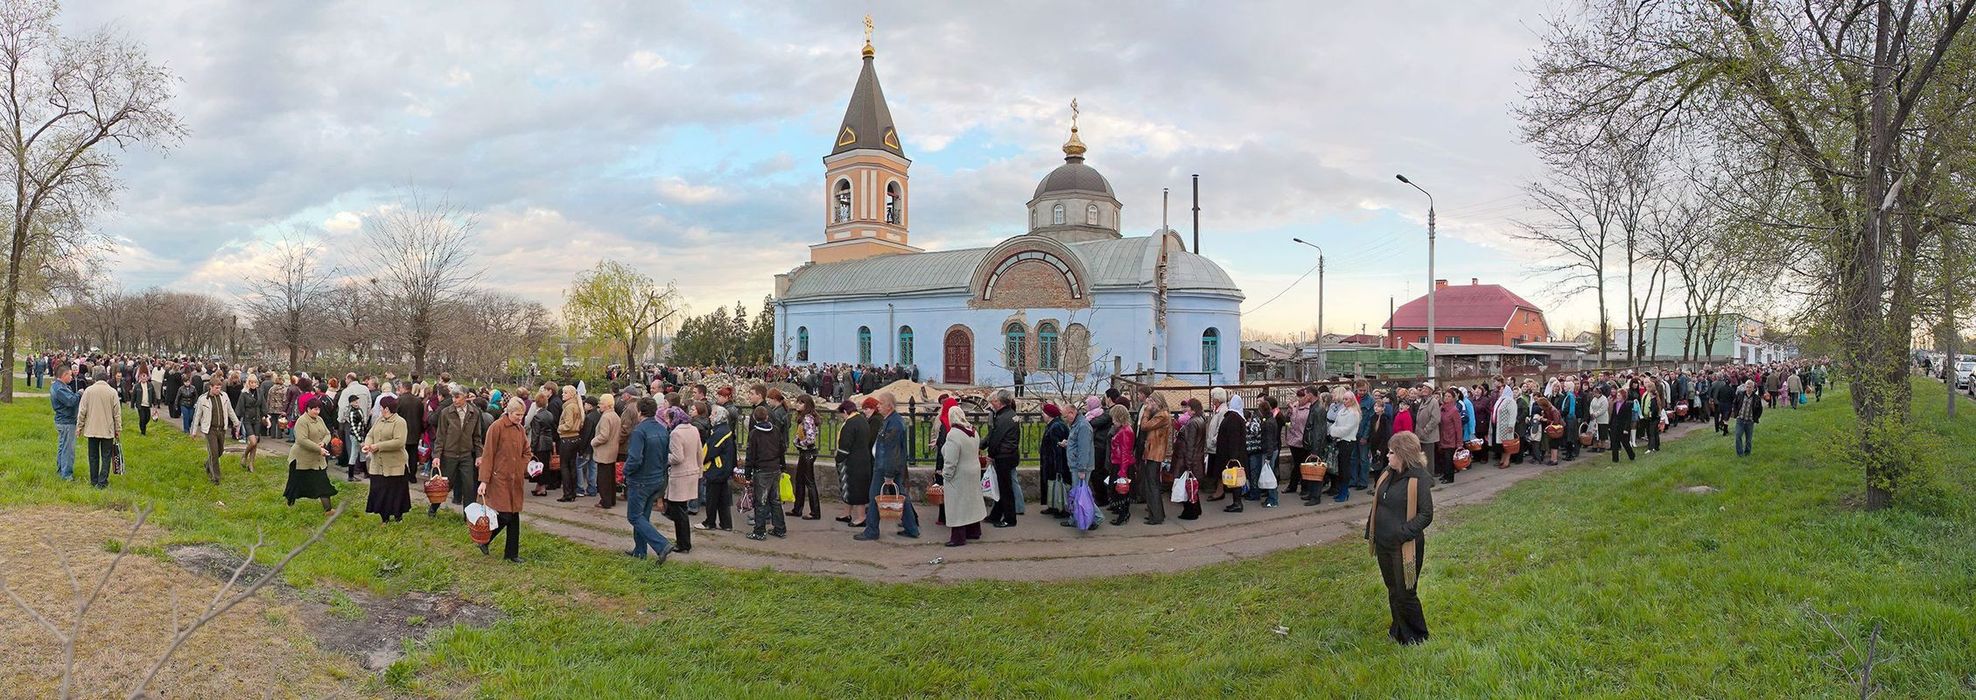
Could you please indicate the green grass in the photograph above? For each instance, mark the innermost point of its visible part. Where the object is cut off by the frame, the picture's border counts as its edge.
(1599, 580)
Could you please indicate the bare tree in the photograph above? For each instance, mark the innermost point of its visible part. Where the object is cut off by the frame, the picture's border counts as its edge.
(285, 301)
(1578, 212)
(423, 253)
(63, 102)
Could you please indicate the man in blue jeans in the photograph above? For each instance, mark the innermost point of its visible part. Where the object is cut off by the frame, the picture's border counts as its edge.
(645, 471)
(65, 399)
(889, 467)
(1749, 410)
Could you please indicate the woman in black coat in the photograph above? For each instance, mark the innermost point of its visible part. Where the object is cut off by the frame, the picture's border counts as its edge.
(1402, 508)
(1101, 435)
(1055, 472)
(854, 462)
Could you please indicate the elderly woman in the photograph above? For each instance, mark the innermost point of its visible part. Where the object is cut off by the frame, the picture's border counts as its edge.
(390, 497)
(719, 463)
(1344, 416)
(503, 468)
(569, 441)
(1402, 508)
(1080, 458)
(683, 477)
(854, 460)
(308, 474)
(1156, 428)
(961, 471)
(1120, 454)
(541, 436)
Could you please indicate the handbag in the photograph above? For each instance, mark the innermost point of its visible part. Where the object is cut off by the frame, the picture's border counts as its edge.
(1234, 476)
(1180, 487)
(891, 506)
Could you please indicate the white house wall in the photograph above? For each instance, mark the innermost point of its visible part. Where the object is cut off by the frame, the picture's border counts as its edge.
(1120, 324)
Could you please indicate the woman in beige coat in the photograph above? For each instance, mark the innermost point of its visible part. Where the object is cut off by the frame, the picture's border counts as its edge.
(308, 476)
(390, 496)
(682, 476)
(604, 450)
(569, 443)
(961, 477)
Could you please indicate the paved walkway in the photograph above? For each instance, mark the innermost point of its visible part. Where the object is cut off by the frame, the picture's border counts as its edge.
(1038, 549)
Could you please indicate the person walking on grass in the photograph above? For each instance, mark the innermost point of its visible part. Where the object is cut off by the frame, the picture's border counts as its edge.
(384, 443)
(503, 468)
(1749, 410)
(214, 419)
(456, 441)
(647, 464)
(888, 467)
(1402, 508)
(308, 473)
(65, 401)
(254, 420)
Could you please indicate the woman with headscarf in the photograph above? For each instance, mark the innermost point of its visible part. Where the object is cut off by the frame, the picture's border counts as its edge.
(1122, 461)
(683, 478)
(854, 460)
(390, 497)
(1190, 456)
(1449, 434)
(1078, 458)
(308, 476)
(1054, 475)
(965, 502)
(719, 468)
(1231, 447)
(1503, 423)
(1402, 508)
(503, 468)
(1101, 435)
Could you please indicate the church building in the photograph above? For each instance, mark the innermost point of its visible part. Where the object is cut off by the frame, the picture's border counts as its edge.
(1057, 308)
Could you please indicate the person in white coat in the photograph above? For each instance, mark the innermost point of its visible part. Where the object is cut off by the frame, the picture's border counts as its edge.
(1601, 416)
(1503, 427)
(961, 476)
(214, 418)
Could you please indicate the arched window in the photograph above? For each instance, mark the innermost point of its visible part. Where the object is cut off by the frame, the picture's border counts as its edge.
(802, 343)
(1017, 343)
(1056, 214)
(1211, 351)
(1076, 351)
(1091, 214)
(893, 207)
(864, 345)
(1046, 350)
(842, 208)
(905, 345)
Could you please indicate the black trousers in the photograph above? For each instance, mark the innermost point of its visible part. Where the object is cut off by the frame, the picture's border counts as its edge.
(1297, 457)
(806, 490)
(102, 455)
(143, 420)
(719, 504)
(1004, 510)
(511, 524)
(1652, 429)
(1409, 623)
(1620, 439)
(1444, 463)
(566, 450)
(682, 527)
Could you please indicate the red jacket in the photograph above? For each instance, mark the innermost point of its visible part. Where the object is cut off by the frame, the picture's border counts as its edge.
(1121, 449)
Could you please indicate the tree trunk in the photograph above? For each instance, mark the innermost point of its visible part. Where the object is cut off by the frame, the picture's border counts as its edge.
(12, 311)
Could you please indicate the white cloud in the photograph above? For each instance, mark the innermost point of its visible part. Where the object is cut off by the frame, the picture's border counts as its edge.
(457, 76)
(678, 190)
(645, 61)
(343, 222)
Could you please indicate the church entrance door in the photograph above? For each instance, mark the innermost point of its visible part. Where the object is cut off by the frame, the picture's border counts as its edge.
(959, 356)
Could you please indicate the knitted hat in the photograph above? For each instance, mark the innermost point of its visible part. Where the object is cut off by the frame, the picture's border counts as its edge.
(1051, 410)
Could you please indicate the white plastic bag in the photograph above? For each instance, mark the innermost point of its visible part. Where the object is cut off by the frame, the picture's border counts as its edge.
(1180, 487)
(989, 487)
(1267, 479)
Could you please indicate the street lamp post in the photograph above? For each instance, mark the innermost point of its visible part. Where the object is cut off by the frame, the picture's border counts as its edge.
(1431, 372)
(1321, 371)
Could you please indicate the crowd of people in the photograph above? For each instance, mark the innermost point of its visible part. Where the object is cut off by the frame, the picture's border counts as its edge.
(667, 443)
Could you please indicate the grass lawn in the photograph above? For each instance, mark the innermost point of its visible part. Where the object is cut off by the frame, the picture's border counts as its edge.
(1599, 580)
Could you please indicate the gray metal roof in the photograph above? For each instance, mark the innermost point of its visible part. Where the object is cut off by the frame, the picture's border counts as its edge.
(1074, 175)
(1115, 263)
(867, 118)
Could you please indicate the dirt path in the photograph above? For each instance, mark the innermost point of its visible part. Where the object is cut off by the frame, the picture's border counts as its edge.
(1037, 549)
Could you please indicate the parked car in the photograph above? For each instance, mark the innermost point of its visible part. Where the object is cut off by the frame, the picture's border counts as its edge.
(1962, 372)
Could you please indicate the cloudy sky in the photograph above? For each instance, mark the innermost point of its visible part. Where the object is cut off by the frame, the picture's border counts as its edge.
(686, 138)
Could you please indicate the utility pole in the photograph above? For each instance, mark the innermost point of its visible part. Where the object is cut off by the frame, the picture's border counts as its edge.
(1431, 372)
(1322, 374)
(1197, 213)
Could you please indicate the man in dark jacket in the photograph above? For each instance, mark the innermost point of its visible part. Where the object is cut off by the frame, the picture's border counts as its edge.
(1003, 448)
(645, 471)
(456, 442)
(1725, 402)
(888, 467)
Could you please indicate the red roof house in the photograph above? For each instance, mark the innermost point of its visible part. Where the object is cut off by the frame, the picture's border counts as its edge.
(1475, 313)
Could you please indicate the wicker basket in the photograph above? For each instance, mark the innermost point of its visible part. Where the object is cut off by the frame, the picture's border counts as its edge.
(891, 505)
(1512, 446)
(936, 495)
(1681, 409)
(436, 489)
(1586, 439)
(482, 532)
(336, 447)
(1463, 458)
(1313, 470)
(1554, 430)
(1474, 445)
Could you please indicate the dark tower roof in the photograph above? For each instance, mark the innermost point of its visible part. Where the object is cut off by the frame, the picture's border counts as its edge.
(867, 122)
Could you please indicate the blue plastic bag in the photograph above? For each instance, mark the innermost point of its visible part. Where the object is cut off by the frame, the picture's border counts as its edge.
(1083, 509)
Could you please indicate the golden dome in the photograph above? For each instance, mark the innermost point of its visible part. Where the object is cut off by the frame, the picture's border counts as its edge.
(1075, 146)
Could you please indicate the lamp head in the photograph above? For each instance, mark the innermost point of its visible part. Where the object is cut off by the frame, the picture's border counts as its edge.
(1404, 179)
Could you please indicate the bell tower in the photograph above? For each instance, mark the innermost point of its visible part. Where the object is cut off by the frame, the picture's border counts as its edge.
(866, 188)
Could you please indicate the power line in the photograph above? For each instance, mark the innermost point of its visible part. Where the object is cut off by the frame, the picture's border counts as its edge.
(1286, 290)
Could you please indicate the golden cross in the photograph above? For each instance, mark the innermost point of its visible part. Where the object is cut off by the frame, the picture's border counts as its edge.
(867, 29)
